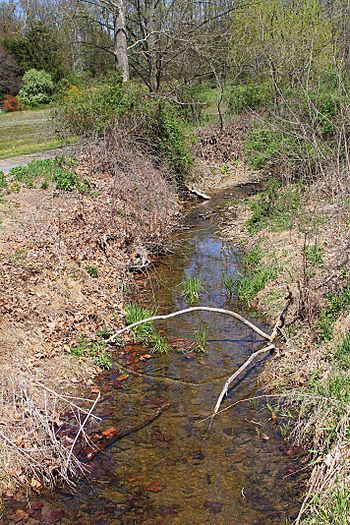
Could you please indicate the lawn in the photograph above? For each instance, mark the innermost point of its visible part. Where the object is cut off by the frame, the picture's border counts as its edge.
(25, 132)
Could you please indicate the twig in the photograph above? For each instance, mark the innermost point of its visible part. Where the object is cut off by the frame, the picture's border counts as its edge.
(276, 329)
(64, 398)
(81, 429)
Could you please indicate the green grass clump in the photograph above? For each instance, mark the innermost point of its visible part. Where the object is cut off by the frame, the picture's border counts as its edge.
(202, 340)
(146, 332)
(342, 353)
(135, 313)
(92, 270)
(190, 289)
(229, 283)
(331, 507)
(253, 258)
(159, 344)
(338, 303)
(60, 170)
(274, 208)
(94, 350)
(314, 254)
(256, 274)
(248, 286)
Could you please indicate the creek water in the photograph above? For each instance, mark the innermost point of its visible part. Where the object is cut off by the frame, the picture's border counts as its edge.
(173, 471)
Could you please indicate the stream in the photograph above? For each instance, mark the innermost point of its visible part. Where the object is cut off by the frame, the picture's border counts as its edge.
(173, 471)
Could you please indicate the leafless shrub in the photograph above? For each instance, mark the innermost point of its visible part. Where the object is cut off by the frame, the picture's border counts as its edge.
(142, 194)
(33, 450)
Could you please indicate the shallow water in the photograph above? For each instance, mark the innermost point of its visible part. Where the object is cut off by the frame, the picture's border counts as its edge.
(173, 471)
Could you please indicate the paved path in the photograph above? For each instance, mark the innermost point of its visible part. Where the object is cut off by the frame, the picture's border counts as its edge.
(23, 160)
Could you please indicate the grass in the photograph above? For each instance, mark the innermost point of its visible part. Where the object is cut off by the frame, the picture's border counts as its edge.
(337, 303)
(159, 344)
(323, 423)
(58, 170)
(202, 340)
(190, 289)
(314, 254)
(135, 313)
(229, 283)
(26, 132)
(332, 508)
(248, 286)
(255, 276)
(94, 350)
(146, 333)
(274, 208)
(92, 270)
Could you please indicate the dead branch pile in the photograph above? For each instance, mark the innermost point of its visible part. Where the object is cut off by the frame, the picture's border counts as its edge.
(33, 451)
(143, 194)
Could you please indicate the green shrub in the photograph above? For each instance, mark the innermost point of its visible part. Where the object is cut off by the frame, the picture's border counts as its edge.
(194, 99)
(37, 88)
(261, 146)
(275, 207)
(60, 170)
(173, 137)
(249, 96)
(89, 111)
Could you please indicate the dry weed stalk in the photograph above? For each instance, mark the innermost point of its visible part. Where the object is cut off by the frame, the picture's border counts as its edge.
(33, 452)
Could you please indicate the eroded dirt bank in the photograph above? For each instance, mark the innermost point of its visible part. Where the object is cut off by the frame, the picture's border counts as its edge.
(69, 236)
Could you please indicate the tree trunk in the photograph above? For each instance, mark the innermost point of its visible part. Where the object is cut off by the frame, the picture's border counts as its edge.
(152, 52)
(120, 45)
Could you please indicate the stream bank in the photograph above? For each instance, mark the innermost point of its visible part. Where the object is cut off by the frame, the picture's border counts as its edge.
(295, 238)
(172, 471)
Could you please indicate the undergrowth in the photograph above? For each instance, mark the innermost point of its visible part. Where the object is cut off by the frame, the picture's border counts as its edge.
(93, 349)
(337, 303)
(274, 208)
(60, 171)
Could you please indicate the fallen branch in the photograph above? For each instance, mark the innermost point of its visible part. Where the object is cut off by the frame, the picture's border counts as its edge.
(187, 311)
(198, 193)
(238, 372)
(276, 330)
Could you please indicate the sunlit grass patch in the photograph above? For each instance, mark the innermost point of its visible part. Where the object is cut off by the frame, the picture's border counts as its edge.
(93, 349)
(135, 313)
(190, 289)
